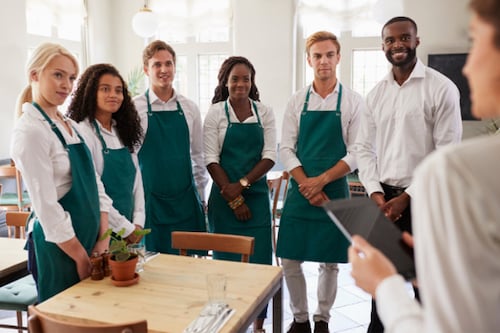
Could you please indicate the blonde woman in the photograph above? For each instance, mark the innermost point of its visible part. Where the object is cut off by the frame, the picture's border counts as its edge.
(69, 200)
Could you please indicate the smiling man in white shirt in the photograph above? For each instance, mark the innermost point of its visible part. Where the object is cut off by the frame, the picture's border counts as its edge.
(410, 113)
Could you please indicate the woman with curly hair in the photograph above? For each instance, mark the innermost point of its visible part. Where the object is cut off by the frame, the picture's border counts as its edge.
(240, 148)
(111, 127)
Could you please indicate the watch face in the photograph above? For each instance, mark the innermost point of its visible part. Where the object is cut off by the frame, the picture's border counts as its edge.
(244, 182)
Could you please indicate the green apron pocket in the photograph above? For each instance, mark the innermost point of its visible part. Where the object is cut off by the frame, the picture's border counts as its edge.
(176, 209)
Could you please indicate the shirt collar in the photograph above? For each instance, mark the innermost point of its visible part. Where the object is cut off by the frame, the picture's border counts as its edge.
(32, 111)
(335, 90)
(153, 99)
(417, 72)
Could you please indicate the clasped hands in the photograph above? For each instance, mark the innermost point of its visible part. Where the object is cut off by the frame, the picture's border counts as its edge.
(311, 188)
(230, 192)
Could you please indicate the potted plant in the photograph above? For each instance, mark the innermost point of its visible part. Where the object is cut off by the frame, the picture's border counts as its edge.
(122, 260)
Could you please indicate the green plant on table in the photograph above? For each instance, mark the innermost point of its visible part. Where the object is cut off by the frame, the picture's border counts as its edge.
(118, 246)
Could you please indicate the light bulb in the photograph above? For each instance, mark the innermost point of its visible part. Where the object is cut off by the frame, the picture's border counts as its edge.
(145, 23)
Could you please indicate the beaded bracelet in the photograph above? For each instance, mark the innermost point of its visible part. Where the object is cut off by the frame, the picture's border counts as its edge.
(238, 201)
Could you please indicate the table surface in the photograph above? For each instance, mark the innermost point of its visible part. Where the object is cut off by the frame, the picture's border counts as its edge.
(13, 259)
(170, 294)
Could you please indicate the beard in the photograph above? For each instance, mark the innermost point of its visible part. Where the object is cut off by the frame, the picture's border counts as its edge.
(411, 54)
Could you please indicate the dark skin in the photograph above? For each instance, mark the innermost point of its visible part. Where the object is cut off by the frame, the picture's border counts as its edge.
(239, 86)
(399, 42)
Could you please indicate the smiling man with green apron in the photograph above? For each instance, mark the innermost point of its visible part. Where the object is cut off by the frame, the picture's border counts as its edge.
(171, 156)
(319, 130)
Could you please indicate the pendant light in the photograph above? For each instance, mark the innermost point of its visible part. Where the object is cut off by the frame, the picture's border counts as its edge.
(145, 22)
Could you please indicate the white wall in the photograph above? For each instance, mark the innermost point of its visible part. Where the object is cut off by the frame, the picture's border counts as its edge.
(12, 61)
(263, 32)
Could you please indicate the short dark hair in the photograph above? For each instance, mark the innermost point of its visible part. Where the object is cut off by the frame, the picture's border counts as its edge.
(399, 19)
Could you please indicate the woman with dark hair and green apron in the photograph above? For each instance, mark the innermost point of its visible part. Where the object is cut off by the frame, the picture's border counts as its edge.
(171, 155)
(69, 201)
(319, 132)
(111, 127)
(240, 148)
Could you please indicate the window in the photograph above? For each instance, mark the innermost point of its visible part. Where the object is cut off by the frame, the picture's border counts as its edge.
(357, 24)
(208, 69)
(57, 21)
(368, 67)
(199, 31)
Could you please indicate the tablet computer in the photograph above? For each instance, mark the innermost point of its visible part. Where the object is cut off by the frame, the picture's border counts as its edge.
(361, 216)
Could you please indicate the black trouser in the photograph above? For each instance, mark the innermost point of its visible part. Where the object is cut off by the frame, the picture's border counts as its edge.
(404, 224)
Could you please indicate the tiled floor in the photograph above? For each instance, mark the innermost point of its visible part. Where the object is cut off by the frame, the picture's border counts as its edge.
(350, 313)
(351, 310)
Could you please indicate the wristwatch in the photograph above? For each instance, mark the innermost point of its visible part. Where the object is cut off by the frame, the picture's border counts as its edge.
(244, 183)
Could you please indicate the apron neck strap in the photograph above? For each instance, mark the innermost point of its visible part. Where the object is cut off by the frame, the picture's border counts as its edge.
(54, 127)
(150, 110)
(226, 109)
(99, 135)
(306, 102)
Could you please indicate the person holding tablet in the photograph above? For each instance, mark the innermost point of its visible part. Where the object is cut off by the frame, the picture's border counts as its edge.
(456, 214)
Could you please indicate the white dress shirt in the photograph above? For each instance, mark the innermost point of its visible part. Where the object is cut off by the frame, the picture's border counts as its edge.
(116, 220)
(403, 124)
(216, 125)
(457, 245)
(351, 107)
(193, 119)
(45, 166)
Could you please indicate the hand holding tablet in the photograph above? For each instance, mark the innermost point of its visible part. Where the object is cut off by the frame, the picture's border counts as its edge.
(361, 216)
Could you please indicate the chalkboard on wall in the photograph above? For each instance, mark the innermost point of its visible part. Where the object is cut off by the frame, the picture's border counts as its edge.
(451, 65)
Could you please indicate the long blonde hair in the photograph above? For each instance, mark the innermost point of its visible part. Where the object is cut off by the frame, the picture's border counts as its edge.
(39, 59)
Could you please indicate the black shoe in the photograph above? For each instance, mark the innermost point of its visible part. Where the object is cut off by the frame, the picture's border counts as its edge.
(296, 327)
(321, 327)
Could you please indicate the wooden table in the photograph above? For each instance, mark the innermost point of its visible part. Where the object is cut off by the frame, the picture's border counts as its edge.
(171, 293)
(13, 259)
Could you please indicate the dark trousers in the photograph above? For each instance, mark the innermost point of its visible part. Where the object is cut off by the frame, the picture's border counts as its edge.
(404, 224)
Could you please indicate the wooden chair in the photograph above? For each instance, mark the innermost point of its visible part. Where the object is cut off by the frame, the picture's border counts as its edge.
(16, 224)
(39, 322)
(187, 240)
(18, 295)
(17, 200)
(275, 184)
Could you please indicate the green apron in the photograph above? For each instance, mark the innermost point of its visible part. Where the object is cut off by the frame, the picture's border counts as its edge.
(118, 176)
(241, 151)
(56, 270)
(171, 198)
(306, 232)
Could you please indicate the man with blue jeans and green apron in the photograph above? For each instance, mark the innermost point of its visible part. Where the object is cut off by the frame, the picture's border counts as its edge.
(171, 156)
(319, 130)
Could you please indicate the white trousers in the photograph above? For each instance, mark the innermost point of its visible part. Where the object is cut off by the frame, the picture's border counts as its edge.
(296, 283)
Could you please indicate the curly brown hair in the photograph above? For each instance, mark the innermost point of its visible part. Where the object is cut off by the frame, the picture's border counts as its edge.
(84, 105)
(221, 93)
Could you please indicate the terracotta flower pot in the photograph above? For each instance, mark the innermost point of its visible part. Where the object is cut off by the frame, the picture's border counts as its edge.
(123, 270)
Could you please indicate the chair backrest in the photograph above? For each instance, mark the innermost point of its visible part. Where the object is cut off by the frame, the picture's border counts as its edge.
(38, 322)
(275, 182)
(192, 240)
(16, 222)
(13, 201)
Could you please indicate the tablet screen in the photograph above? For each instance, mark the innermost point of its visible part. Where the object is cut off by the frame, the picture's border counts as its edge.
(361, 216)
